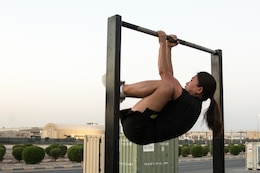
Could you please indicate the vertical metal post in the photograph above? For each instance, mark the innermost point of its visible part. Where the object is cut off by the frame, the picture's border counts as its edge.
(218, 143)
(112, 95)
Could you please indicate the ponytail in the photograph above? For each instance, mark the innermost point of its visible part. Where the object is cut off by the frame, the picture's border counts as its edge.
(214, 118)
(213, 115)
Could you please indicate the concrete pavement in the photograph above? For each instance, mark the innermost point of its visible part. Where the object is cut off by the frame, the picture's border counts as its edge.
(11, 164)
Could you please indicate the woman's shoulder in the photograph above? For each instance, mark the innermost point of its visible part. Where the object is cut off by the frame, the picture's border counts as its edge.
(178, 90)
(185, 96)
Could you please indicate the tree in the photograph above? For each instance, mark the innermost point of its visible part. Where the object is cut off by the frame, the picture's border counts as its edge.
(185, 151)
(75, 153)
(234, 150)
(2, 153)
(196, 151)
(55, 153)
(205, 150)
(18, 153)
(48, 149)
(63, 149)
(33, 154)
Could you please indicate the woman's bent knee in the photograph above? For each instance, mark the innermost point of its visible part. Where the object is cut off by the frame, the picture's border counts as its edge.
(166, 87)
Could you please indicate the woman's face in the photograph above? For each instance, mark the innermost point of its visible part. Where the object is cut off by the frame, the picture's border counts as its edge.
(193, 88)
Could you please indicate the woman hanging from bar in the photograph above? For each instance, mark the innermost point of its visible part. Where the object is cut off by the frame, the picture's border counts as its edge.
(167, 110)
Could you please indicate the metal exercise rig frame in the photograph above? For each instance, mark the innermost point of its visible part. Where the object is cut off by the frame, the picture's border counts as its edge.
(112, 93)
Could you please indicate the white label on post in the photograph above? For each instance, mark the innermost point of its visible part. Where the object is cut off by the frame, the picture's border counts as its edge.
(148, 148)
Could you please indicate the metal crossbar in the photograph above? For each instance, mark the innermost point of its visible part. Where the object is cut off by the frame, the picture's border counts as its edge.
(154, 33)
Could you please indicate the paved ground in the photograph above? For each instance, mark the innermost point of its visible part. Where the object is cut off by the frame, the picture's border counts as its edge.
(227, 156)
(10, 164)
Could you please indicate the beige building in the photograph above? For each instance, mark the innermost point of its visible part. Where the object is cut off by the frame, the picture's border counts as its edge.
(53, 130)
(252, 135)
(231, 135)
(20, 132)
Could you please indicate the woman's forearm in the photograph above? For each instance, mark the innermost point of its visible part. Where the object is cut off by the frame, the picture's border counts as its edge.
(169, 59)
(162, 61)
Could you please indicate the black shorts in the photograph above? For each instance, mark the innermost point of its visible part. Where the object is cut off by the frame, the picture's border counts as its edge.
(139, 127)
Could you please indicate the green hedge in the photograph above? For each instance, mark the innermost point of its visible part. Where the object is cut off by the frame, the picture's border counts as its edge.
(185, 151)
(55, 153)
(242, 147)
(48, 149)
(75, 153)
(205, 150)
(234, 149)
(18, 153)
(33, 154)
(226, 149)
(2, 153)
(196, 151)
(62, 150)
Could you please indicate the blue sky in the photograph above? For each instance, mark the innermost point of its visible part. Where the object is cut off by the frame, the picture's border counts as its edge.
(53, 54)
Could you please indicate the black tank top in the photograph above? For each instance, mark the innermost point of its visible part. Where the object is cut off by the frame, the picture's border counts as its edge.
(178, 116)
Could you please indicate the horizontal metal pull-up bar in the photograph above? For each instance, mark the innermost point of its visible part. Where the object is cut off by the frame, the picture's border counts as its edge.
(154, 33)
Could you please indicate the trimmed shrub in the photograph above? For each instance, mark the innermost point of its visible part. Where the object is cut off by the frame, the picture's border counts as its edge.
(63, 149)
(2, 146)
(2, 153)
(18, 153)
(185, 151)
(226, 149)
(234, 150)
(18, 145)
(230, 145)
(33, 154)
(55, 153)
(48, 149)
(242, 147)
(179, 150)
(196, 151)
(75, 153)
(205, 150)
(80, 145)
(27, 145)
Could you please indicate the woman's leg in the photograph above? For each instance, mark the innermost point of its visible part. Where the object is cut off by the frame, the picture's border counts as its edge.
(155, 94)
(140, 89)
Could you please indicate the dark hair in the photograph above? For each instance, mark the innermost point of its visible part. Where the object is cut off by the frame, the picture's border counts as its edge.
(212, 115)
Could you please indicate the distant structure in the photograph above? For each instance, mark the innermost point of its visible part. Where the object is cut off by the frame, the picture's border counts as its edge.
(53, 130)
(28, 132)
(62, 131)
(207, 135)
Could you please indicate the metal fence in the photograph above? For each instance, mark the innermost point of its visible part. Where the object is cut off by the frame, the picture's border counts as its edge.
(38, 140)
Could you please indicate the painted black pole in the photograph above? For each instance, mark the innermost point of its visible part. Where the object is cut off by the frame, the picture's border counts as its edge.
(112, 95)
(218, 143)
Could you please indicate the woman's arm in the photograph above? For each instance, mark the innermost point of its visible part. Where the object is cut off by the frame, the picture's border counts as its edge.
(164, 59)
(169, 59)
(169, 46)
